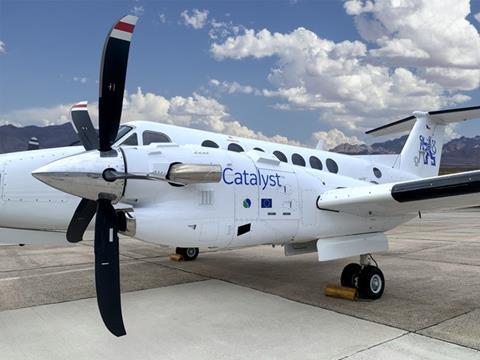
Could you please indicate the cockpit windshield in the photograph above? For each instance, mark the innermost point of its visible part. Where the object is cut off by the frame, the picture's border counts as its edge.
(122, 131)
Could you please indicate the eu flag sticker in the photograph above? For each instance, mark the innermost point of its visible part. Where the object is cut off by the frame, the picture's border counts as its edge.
(266, 203)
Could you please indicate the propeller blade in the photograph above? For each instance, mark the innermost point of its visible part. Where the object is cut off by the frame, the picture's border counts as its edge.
(112, 80)
(83, 124)
(107, 267)
(81, 218)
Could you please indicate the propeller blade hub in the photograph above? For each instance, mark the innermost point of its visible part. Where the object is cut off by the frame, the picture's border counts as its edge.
(82, 175)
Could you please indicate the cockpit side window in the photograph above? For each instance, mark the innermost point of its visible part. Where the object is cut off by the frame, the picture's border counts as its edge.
(122, 131)
(280, 156)
(132, 140)
(154, 137)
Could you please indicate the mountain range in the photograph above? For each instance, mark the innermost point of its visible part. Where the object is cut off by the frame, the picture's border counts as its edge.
(463, 152)
(14, 138)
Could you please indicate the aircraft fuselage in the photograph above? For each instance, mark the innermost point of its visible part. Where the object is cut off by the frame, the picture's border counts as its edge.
(259, 200)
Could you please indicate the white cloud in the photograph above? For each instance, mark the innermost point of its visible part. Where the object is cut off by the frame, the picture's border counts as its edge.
(419, 33)
(315, 73)
(477, 16)
(415, 63)
(334, 137)
(163, 18)
(452, 78)
(403, 48)
(357, 7)
(282, 107)
(2, 47)
(221, 29)
(450, 133)
(41, 116)
(197, 19)
(233, 87)
(194, 111)
(80, 79)
(138, 10)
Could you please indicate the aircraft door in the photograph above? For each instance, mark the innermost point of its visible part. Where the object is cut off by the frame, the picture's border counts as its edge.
(278, 203)
(279, 198)
(266, 200)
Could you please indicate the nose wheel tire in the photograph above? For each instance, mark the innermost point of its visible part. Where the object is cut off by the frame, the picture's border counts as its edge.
(371, 283)
(350, 275)
(188, 254)
(368, 280)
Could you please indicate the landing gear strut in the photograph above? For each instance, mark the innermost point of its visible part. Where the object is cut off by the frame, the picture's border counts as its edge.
(368, 279)
(188, 254)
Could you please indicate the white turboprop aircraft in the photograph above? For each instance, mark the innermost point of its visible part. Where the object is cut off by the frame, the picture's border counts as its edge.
(194, 189)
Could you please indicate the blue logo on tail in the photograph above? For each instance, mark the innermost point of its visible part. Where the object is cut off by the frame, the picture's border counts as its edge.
(427, 151)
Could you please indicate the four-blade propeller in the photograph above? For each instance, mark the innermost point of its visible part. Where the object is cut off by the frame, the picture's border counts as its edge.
(99, 176)
(112, 85)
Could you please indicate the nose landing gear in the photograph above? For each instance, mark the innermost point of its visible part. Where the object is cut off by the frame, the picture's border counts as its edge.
(368, 279)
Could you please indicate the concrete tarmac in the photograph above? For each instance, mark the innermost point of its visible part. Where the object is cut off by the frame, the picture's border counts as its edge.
(250, 303)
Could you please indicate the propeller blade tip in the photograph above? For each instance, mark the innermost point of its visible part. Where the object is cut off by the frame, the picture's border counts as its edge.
(124, 27)
(80, 106)
(118, 332)
(129, 19)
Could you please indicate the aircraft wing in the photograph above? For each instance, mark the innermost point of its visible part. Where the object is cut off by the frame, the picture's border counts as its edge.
(408, 197)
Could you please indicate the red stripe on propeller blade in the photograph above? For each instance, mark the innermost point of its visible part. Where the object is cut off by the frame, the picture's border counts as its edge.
(124, 27)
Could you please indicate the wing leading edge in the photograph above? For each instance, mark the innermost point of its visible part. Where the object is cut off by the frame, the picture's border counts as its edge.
(409, 197)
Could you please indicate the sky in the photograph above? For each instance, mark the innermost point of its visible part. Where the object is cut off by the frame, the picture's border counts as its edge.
(286, 71)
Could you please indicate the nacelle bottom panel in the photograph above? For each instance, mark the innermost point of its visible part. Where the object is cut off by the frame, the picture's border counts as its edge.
(345, 246)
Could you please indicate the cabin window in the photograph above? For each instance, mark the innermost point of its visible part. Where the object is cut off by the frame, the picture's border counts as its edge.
(122, 131)
(377, 173)
(315, 163)
(210, 144)
(235, 147)
(258, 149)
(132, 140)
(298, 159)
(154, 137)
(280, 156)
(332, 166)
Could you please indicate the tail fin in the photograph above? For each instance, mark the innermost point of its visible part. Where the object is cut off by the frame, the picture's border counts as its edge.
(422, 152)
